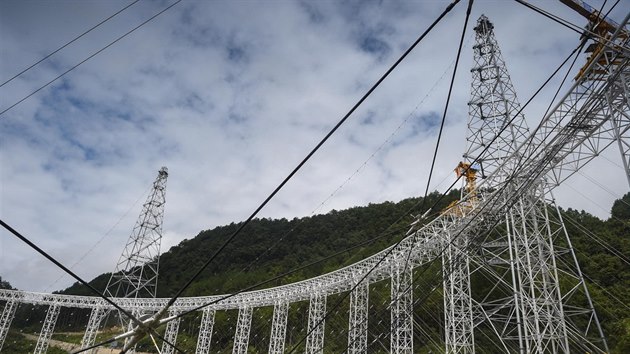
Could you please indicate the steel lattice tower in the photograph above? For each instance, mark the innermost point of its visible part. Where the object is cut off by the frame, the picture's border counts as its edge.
(526, 307)
(506, 249)
(495, 129)
(136, 272)
(492, 107)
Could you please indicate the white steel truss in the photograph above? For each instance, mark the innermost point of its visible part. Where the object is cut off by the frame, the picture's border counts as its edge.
(591, 335)
(458, 313)
(593, 114)
(172, 328)
(401, 310)
(522, 260)
(496, 127)
(621, 129)
(539, 300)
(47, 329)
(278, 328)
(204, 339)
(243, 325)
(316, 322)
(6, 318)
(137, 313)
(358, 319)
(136, 272)
(96, 316)
(520, 255)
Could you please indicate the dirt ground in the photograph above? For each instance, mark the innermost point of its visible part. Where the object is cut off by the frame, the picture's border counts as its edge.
(69, 347)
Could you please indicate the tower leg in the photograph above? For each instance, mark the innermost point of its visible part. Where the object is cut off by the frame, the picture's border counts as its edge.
(130, 326)
(278, 328)
(243, 325)
(316, 313)
(47, 329)
(540, 288)
(170, 335)
(621, 129)
(458, 316)
(358, 321)
(96, 316)
(595, 336)
(205, 331)
(5, 320)
(401, 311)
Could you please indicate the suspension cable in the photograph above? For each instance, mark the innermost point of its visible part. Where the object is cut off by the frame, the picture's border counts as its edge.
(597, 239)
(510, 178)
(313, 151)
(80, 280)
(563, 64)
(338, 303)
(361, 167)
(61, 266)
(449, 188)
(68, 43)
(100, 240)
(88, 58)
(555, 18)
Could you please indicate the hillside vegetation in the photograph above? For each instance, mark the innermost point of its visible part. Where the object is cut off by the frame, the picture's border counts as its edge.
(268, 248)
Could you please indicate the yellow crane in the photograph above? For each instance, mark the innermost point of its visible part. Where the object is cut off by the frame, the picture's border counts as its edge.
(469, 173)
(603, 27)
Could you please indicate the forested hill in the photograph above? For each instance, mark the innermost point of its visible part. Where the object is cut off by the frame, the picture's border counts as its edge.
(268, 248)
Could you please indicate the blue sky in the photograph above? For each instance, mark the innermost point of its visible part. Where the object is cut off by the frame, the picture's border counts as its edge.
(231, 95)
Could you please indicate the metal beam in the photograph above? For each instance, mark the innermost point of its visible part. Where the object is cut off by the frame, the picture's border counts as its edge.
(47, 329)
(278, 328)
(8, 313)
(204, 338)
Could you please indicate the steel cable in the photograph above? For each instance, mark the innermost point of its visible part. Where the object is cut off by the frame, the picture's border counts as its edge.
(68, 43)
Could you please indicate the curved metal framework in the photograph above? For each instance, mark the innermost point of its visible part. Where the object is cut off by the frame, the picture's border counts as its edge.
(531, 316)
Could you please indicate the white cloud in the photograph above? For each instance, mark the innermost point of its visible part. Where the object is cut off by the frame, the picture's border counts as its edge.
(231, 96)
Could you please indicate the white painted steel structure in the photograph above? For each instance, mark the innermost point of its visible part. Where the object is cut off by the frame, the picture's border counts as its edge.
(358, 319)
(531, 315)
(6, 318)
(316, 324)
(243, 325)
(136, 271)
(47, 329)
(278, 328)
(172, 328)
(204, 338)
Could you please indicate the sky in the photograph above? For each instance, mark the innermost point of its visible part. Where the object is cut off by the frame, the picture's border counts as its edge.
(230, 96)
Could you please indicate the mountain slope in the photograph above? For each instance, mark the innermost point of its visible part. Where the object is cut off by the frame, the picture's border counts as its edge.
(268, 248)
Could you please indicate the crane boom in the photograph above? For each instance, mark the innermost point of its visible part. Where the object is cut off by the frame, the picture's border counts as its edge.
(590, 13)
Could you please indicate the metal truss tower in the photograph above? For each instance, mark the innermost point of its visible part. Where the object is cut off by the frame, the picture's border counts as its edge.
(525, 307)
(136, 272)
(493, 107)
(512, 282)
(495, 129)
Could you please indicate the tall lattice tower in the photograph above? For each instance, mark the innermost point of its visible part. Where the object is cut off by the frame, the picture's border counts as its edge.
(493, 107)
(495, 129)
(506, 284)
(137, 269)
(136, 272)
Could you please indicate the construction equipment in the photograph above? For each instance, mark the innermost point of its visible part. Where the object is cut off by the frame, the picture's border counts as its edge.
(469, 193)
(600, 29)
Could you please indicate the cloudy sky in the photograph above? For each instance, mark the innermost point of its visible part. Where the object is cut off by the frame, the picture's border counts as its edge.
(231, 95)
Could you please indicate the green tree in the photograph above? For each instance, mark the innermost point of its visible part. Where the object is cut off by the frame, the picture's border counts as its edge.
(5, 284)
(621, 208)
